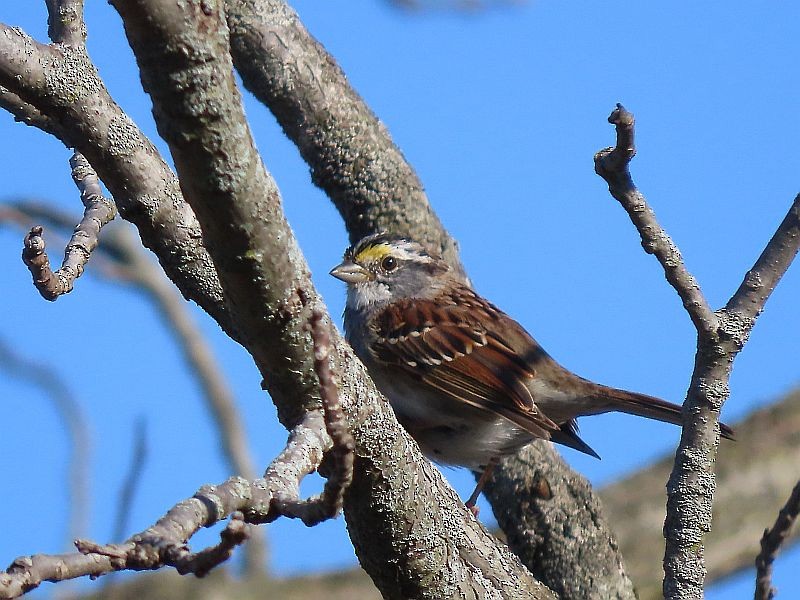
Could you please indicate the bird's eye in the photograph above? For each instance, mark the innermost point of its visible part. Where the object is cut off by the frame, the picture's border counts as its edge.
(389, 264)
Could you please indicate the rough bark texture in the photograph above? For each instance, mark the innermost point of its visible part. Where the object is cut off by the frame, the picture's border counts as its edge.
(63, 84)
(721, 335)
(58, 90)
(566, 543)
(754, 476)
(353, 159)
(350, 152)
(430, 546)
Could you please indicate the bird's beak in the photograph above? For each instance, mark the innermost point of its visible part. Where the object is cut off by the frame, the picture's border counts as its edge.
(350, 272)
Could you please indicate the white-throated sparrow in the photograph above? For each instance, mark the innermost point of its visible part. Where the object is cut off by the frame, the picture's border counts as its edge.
(465, 380)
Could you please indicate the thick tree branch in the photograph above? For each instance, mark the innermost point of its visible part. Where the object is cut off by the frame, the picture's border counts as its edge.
(354, 159)
(244, 227)
(98, 212)
(27, 113)
(772, 541)
(134, 175)
(63, 84)
(555, 524)
(350, 152)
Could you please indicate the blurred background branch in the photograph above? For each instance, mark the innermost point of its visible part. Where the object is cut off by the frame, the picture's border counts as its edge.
(121, 258)
(44, 376)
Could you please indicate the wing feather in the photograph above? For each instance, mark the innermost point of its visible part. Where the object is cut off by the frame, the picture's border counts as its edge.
(470, 359)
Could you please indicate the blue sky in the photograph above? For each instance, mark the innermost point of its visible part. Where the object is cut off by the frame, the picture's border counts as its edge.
(501, 112)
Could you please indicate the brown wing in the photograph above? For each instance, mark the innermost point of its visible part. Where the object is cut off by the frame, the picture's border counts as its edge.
(464, 346)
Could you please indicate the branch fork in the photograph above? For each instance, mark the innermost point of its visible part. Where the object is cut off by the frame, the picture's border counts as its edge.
(721, 335)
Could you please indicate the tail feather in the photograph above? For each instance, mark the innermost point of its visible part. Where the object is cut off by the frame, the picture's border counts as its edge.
(567, 435)
(649, 407)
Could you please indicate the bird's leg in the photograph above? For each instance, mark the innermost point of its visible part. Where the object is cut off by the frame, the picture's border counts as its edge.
(487, 472)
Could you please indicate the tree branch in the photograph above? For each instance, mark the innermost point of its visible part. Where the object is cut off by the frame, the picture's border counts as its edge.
(355, 161)
(772, 541)
(27, 113)
(62, 83)
(329, 503)
(121, 257)
(65, 23)
(164, 543)
(759, 282)
(612, 164)
(350, 152)
(721, 335)
(752, 476)
(555, 524)
(98, 212)
(239, 210)
(166, 224)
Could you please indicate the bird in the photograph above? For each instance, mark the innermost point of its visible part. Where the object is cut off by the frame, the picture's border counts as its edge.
(466, 380)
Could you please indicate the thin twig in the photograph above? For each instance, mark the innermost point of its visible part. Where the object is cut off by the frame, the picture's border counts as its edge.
(771, 543)
(236, 533)
(98, 212)
(721, 335)
(164, 543)
(761, 279)
(328, 504)
(612, 164)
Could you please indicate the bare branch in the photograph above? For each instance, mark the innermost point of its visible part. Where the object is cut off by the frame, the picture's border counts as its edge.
(65, 23)
(27, 113)
(350, 152)
(772, 541)
(328, 504)
(749, 300)
(230, 191)
(752, 475)
(164, 543)
(692, 483)
(555, 524)
(167, 226)
(721, 335)
(120, 256)
(353, 158)
(612, 164)
(236, 533)
(62, 83)
(98, 212)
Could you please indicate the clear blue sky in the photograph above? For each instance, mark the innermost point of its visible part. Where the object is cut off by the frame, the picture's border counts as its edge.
(500, 112)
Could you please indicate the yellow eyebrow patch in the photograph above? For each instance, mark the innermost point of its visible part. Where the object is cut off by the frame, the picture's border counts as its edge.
(373, 253)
